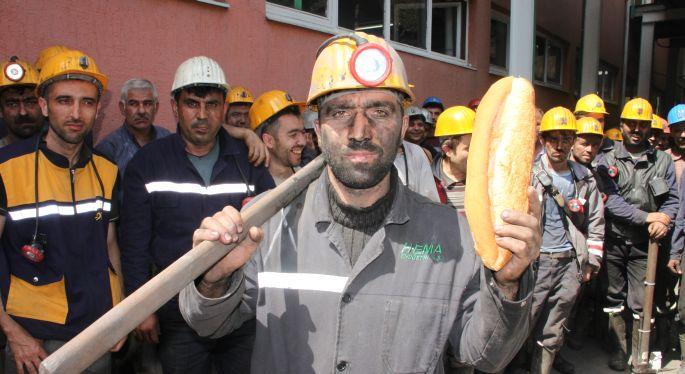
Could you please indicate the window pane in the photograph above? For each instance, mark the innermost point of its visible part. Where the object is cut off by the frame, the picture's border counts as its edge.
(611, 83)
(539, 72)
(408, 22)
(578, 71)
(361, 15)
(317, 7)
(447, 26)
(498, 43)
(606, 81)
(554, 64)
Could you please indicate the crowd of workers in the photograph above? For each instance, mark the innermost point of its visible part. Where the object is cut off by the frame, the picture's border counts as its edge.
(371, 269)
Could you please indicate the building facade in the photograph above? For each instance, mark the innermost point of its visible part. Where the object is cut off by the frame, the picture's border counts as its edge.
(453, 49)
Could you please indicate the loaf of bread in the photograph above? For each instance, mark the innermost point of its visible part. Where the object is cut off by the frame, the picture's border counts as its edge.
(499, 163)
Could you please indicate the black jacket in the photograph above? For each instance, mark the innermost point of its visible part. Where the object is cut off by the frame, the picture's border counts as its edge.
(165, 200)
(647, 183)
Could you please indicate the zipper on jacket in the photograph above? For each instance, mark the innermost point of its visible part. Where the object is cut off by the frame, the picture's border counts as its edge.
(72, 174)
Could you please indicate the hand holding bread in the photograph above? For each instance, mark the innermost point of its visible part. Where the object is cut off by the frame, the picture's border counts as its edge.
(502, 209)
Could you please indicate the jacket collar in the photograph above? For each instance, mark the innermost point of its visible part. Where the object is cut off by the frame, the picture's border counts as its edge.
(228, 146)
(438, 173)
(129, 134)
(675, 155)
(85, 154)
(620, 151)
(399, 213)
(578, 171)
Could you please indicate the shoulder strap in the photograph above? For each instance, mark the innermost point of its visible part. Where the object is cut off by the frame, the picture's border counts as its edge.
(546, 181)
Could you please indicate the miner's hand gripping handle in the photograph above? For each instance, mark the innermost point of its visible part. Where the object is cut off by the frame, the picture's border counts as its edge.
(81, 351)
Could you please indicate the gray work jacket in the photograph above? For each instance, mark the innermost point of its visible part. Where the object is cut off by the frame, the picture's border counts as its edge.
(647, 183)
(417, 284)
(414, 171)
(588, 237)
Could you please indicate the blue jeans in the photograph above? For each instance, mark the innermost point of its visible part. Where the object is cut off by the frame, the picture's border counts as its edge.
(182, 350)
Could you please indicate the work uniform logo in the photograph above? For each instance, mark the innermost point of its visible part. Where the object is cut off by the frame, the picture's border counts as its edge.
(243, 94)
(421, 252)
(563, 121)
(639, 110)
(598, 104)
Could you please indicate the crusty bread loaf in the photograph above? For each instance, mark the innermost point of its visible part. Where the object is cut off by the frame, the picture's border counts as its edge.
(499, 163)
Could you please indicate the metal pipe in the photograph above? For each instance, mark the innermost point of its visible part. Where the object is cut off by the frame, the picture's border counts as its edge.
(641, 357)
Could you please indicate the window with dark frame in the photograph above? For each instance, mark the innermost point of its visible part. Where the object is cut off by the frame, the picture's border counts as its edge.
(408, 22)
(499, 36)
(449, 24)
(318, 7)
(361, 15)
(549, 61)
(431, 28)
(606, 81)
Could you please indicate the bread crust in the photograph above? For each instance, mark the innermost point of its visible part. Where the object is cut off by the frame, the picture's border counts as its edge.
(499, 163)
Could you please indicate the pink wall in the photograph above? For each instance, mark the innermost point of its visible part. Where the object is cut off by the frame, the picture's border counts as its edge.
(150, 38)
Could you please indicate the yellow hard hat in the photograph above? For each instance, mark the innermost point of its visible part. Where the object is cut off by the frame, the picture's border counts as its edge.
(356, 61)
(16, 72)
(239, 94)
(268, 104)
(590, 104)
(588, 125)
(47, 54)
(637, 109)
(658, 122)
(71, 64)
(456, 120)
(558, 118)
(614, 134)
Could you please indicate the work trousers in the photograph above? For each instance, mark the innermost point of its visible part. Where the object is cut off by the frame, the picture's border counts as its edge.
(183, 351)
(623, 281)
(555, 293)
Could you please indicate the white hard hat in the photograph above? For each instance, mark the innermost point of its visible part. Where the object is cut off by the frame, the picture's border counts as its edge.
(414, 111)
(199, 71)
(309, 117)
(427, 116)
